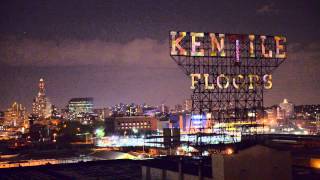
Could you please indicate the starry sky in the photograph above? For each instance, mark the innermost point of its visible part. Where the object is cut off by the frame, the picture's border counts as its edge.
(118, 51)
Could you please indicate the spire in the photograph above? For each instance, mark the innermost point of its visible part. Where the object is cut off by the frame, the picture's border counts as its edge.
(41, 87)
(41, 104)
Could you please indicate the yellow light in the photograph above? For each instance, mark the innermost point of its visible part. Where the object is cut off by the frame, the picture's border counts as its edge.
(315, 163)
(229, 151)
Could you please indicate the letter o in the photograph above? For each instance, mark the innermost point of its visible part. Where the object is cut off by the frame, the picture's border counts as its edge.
(219, 84)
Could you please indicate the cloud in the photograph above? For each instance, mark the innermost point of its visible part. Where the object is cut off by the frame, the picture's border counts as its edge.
(303, 61)
(298, 77)
(35, 52)
(267, 9)
(303, 53)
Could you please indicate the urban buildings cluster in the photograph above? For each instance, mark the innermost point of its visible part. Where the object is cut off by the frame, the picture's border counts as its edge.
(79, 118)
(46, 122)
(293, 119)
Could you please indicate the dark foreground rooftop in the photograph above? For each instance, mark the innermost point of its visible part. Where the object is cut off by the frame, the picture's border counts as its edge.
(109, 169)
(125, 169)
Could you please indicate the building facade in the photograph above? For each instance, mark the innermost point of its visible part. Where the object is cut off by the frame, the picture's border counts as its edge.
(286, 110)
(80, 109)
(41, 105)
(16, 117)
(81, 105)
(135, 123)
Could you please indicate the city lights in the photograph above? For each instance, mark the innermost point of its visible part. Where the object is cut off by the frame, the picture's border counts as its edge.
(229, 151)
(238, 82)
(99, 132)
(315, 163)
(107, 90)
(218, 42)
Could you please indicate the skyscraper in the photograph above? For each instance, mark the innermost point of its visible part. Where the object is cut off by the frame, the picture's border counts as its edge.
(286, 110)
(80, 108)
(16, 116)
(81, 105)
(188, 105)
(41, 105)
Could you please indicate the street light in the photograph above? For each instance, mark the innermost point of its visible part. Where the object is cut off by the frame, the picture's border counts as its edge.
(54, 137)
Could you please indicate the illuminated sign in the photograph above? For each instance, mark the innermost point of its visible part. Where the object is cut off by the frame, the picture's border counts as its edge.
(237, 81)
(200, 44)
(239, 48)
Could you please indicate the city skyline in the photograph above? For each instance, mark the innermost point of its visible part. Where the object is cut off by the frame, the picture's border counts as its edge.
(119, 53)
(169, 89)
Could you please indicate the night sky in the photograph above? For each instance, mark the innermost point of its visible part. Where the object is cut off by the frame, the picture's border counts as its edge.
(118, 51)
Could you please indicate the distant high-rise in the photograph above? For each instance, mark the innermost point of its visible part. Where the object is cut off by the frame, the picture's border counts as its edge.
(188, 105)
(79, 106)
(41, 105)
(16, 116)
(285, 110)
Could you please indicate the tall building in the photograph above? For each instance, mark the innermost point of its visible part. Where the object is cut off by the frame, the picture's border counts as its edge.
(16, 116)
(41, 105)
(286, 110)
(80, 107)
(188, 105)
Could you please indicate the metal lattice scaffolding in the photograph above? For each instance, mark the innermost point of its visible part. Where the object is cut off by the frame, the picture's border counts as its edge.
(228, 105)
